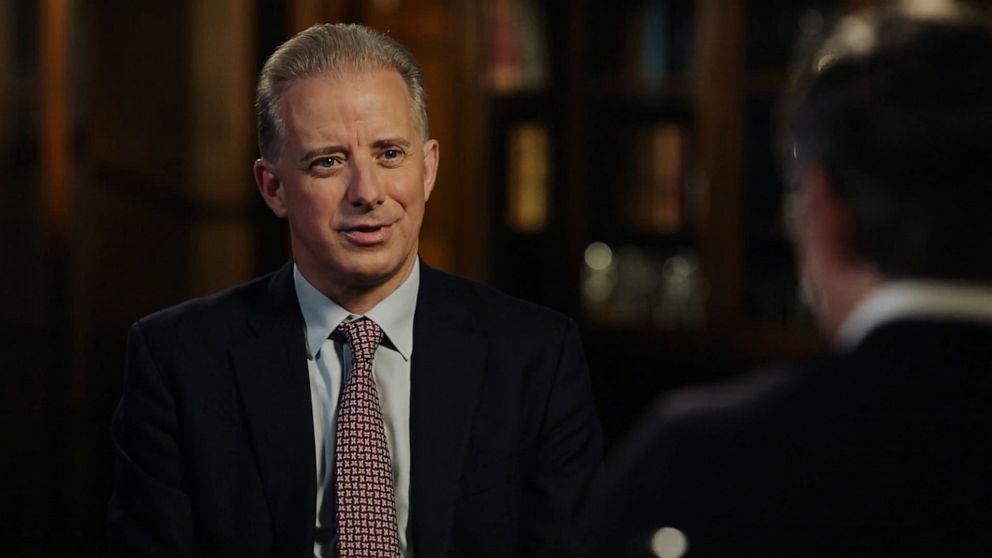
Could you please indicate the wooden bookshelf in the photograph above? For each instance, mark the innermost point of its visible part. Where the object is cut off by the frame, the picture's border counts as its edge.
(717, 86)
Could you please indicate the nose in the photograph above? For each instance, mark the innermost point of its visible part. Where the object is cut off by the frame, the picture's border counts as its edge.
(364, 189)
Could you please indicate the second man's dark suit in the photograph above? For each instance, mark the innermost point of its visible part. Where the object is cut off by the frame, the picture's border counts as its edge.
(214, 433)
(885, 450)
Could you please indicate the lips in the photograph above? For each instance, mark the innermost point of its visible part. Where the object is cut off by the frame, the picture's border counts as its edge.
(367, 234)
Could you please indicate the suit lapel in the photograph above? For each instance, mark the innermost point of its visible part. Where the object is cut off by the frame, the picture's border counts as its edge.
(449, 358)
(272, 375)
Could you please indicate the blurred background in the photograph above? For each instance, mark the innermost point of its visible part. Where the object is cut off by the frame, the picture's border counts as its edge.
(612, 160)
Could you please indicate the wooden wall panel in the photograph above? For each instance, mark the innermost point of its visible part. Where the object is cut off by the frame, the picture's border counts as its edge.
(440, 33)
(220, 150)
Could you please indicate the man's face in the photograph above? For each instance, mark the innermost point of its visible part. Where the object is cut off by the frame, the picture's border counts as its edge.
(352, 178)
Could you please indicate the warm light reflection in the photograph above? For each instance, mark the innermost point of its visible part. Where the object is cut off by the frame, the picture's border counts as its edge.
(935, 9)
(598, 256)
(669, 542)
(822, 62)
(856, 34)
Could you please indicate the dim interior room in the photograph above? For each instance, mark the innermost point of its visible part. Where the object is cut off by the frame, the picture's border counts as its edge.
(611, 160)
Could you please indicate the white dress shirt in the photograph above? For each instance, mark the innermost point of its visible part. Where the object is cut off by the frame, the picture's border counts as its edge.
(329, 363)
(915, 299)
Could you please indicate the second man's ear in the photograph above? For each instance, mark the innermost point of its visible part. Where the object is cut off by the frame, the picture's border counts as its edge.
(828, 220)
(270, 187)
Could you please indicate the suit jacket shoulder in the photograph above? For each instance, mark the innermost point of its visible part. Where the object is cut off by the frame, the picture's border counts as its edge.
(224, 314)
(503, 426)
(490, 309)
(871, 452)
(215, 409)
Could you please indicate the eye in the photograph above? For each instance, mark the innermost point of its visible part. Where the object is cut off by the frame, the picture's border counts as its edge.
(391, 155)
(325, 163)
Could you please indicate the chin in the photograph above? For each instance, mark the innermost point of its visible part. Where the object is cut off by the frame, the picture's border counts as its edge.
(372, 272)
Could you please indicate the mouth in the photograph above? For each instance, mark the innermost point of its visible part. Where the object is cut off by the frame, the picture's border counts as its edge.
(367, 234)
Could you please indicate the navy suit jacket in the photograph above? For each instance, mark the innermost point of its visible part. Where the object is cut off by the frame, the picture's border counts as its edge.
(885, 450)
(214, 432)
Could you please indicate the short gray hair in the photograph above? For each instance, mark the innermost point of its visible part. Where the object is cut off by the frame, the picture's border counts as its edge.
(326, 49)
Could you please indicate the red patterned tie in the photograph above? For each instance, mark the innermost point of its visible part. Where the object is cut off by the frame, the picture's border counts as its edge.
(366, 513)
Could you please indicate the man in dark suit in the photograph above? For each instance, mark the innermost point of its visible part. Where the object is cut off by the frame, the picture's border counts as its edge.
(356, 402)
(884, 446)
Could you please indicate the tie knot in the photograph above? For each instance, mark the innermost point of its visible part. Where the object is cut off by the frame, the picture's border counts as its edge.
(364, 336)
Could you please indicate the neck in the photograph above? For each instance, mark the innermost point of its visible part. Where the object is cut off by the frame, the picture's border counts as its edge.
(842, 294)
(358, 298)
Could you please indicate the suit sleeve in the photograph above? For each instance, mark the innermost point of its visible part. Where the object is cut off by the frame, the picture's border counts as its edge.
(625, 508)
(568, 452)
(149, 515)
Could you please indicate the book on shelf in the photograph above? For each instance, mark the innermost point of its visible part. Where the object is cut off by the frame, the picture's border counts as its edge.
(517, 56)
(655, 198)
(658, 43)
(528, 178)
(655, 58)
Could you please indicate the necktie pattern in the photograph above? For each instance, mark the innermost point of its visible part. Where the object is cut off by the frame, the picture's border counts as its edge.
(366, 512)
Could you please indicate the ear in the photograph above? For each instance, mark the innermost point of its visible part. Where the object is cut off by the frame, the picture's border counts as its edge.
(432, 154)
(837, 276)
(270, 187)
(829, 229)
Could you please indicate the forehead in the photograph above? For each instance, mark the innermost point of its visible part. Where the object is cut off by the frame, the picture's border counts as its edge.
(375, 99)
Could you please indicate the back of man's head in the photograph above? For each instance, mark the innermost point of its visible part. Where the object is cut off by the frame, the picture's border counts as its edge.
(896, 108)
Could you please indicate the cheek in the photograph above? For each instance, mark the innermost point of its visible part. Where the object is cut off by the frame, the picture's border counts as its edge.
(415, 215)
(318, 200)
(808, 266)
(313, 219)
(414, 203)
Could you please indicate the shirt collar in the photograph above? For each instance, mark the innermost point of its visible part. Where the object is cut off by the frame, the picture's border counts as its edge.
(915, 299)
(394, 314)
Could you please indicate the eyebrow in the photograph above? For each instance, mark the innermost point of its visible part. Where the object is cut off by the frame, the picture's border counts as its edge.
(389, 142)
